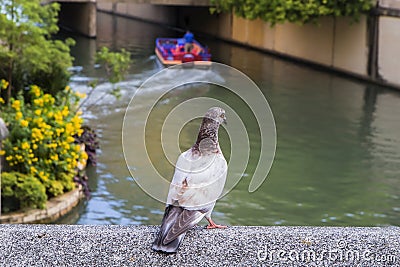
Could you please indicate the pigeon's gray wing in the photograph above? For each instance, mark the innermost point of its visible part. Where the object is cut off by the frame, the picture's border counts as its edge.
(186, 221)
(176, 222)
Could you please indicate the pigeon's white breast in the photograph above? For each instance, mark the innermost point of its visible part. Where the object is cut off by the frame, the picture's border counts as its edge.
(198, 180)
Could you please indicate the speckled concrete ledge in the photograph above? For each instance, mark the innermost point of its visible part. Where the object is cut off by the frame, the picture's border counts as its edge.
(74, 245)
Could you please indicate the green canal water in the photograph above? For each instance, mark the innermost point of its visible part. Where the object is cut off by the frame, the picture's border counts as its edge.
(337, 159)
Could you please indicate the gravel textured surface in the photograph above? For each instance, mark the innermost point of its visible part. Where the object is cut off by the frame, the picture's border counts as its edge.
(77, 245)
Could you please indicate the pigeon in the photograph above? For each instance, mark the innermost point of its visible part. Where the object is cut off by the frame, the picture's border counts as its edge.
(198, 181)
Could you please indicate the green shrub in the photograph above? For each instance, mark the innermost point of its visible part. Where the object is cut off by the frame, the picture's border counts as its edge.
(28, 53)
(295, 11)
(41, 143)
(19, 191)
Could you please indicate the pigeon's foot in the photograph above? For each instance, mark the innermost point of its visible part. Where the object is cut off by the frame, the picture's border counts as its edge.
(213, 225)
(216, 226)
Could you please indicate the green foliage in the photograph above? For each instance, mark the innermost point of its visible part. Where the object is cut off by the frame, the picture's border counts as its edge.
(296, 11)
(41, 143)
(19, 191)
(116, 65)
(28, 55)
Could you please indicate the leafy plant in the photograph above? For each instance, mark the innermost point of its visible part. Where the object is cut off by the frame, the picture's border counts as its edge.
(28, 55)
(296, 11)
(41, 143)
(19, 191)
(116, 65)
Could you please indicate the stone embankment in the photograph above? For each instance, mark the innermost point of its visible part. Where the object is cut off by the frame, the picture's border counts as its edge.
(55, 209)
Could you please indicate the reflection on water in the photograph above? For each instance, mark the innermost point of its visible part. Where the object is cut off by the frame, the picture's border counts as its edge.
(337, 159)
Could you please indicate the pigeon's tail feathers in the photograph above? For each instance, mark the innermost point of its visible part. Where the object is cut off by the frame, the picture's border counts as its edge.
(176, 222)
(170, 216)
(171, 247)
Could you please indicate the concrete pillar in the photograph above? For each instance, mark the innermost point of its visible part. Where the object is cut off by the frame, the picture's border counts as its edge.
(79, 17)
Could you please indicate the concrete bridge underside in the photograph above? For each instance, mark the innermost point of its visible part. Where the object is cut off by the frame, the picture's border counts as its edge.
(80, 15)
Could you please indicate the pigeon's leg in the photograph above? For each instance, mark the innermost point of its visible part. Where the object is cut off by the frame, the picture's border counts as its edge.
(213, 225)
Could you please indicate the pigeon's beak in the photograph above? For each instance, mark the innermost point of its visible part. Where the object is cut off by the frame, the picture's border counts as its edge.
(224, 121)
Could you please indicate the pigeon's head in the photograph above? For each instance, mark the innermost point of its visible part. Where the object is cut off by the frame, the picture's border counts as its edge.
(216, 114)
(207, 140)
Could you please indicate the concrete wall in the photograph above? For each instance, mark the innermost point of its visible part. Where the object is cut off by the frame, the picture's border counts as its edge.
(83, 14)
(333, 42)
(389, 49)
(156, 13)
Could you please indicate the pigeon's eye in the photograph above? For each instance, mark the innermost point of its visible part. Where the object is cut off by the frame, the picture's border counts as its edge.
(222, 116)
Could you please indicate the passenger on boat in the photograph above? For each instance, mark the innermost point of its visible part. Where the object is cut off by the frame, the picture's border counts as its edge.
(180, 46)
(188, 41)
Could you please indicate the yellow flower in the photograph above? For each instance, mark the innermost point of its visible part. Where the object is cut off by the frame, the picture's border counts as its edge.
(33, 169)
(24, 123)
(66, 147)
(38, 102)
(69, 128)
(50, 114)
(59, 117)
(25, 145)
(4, 84)
(34, 146)
(48, 99)
(77, 121)
(18, 115)
(35, 90)
(2, 152)
(77, 148)
(16, 105)
(70, 139)
(9, 158)
(54, 157)
(43, 176)
(74, 164)
(79, 132)
(67, 88)
(84, 155)
(49, 133)
(37, 134)
(38, 112)
(2, 100)
(38, 121)
(59, 131)
(52, 145)
(65, 111)
(80, 95)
